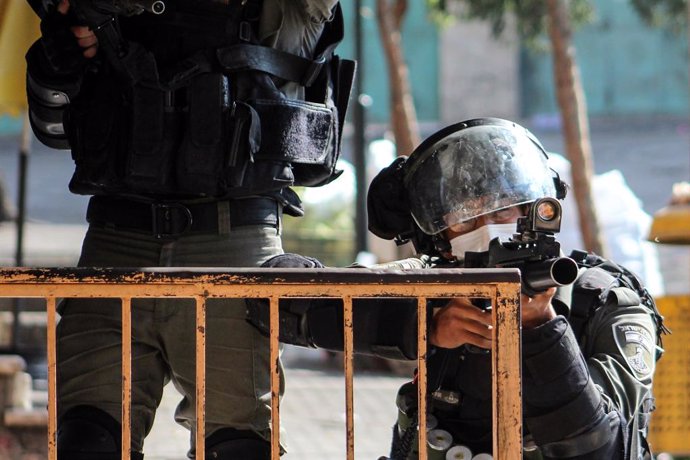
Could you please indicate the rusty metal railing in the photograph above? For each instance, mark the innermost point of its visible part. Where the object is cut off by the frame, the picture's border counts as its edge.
(501, 286)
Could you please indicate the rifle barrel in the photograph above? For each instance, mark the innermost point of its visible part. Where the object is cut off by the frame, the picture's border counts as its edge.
(559, 271)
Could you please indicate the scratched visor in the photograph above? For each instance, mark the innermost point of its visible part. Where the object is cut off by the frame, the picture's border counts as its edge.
(475, 170)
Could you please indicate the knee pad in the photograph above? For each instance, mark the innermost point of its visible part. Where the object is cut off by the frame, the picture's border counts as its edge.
(88, 433)
(232, 444)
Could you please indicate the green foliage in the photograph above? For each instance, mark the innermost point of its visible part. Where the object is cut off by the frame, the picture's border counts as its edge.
(326, 231)
(672, 14)
(530, 14)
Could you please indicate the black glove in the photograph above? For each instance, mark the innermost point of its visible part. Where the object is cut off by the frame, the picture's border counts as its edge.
(289, 260)
(61, 51)
(293, 312)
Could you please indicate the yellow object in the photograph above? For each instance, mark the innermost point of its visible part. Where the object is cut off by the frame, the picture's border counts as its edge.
(19, 28)
(670, 425)
(671, 225)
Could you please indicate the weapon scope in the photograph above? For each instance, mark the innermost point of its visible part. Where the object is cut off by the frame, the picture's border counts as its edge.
(533, 250)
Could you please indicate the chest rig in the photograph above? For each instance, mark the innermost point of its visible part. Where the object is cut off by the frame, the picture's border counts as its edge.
(189, 104)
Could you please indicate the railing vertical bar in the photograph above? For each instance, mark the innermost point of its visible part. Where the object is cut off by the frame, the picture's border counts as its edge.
(507, 390)
(348, 366)
(421, 375)
(52, 380)
(126, 377)
(200, 378)
(275, 377)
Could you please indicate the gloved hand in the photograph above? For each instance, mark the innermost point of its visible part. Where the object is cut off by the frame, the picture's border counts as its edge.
(293, 324)
(290, 260)
(61, 51)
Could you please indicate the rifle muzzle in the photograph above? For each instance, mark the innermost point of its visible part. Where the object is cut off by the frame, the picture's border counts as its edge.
(546, 274)
(153, 6)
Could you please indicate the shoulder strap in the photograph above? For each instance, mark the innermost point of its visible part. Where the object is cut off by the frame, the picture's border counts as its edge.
(588, 294)
(284, 65)
(599, 284)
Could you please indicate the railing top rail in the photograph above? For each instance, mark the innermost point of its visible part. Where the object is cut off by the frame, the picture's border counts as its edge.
(256, 276)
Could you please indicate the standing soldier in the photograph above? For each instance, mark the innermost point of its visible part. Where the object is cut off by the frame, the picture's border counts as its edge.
(188, 121)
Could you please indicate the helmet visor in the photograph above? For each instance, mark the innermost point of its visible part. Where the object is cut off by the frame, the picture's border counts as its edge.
(474, 171)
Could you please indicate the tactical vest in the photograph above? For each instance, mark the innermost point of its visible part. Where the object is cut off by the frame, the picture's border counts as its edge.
(187, 104)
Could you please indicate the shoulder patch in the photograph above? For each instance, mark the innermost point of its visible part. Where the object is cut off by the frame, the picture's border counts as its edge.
(637, 345)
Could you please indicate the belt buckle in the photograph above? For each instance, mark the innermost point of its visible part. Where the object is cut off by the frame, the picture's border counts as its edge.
(163, 223)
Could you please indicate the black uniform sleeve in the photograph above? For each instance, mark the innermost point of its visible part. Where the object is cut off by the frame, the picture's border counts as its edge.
(589, 403)
(385, 327)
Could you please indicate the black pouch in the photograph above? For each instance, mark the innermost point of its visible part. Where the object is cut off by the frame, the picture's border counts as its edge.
(243, 142)
(98, 133)
(261, 177)
(303, 134)
(202, 150)
(153, 141)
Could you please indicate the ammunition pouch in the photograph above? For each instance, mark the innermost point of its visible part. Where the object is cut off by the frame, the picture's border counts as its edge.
(204, 148)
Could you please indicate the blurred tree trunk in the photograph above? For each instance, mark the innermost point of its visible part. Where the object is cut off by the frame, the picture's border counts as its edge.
(390, 15)
(572, 104)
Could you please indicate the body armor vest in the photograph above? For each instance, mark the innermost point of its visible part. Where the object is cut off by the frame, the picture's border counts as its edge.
(187, 104)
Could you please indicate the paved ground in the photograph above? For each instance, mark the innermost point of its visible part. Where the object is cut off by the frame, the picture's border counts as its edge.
(652, 154)
(312, 412)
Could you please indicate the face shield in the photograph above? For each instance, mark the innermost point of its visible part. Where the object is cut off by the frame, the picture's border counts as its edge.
(474, 168)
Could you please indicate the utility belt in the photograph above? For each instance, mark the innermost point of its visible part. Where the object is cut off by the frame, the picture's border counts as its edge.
(168, 219)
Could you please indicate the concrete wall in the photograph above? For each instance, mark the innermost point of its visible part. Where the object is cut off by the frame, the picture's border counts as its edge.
(420, 43)
(478, 74)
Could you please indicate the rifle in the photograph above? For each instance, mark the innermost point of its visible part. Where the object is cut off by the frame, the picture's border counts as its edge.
(533, 249)
(101, 16)
(89, 8)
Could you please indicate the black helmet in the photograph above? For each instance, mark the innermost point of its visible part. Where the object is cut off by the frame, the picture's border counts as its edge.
(473, 168)
(463, 171)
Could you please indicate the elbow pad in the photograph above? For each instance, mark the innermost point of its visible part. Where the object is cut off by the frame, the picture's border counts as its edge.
(48, 98)
(602, 440)
(564, 410)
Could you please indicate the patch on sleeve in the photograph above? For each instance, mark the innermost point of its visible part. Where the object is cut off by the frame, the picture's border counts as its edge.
(637, 346)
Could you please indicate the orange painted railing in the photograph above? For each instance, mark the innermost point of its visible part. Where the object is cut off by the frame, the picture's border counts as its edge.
(501, 286)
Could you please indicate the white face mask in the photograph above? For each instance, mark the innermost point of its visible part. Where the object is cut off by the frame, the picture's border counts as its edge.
(478, 240)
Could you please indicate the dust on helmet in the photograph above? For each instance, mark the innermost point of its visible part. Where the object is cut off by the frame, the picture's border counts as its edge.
(473, 168)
